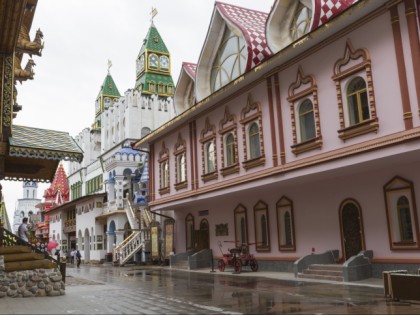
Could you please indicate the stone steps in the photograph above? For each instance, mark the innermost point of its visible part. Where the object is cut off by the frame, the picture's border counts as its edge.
(17, 258)
(331, 272)
(181, 264)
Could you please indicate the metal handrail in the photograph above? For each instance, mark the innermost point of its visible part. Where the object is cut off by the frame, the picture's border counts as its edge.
(8, 239)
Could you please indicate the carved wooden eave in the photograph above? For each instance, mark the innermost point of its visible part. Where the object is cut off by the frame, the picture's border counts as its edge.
(25, 153)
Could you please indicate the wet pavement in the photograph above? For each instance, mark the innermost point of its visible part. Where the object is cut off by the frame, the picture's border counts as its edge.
(154, 290)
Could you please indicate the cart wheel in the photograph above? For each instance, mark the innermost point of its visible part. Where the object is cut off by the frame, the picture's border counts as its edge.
(237, 265)
(254, 265)
(221, 265)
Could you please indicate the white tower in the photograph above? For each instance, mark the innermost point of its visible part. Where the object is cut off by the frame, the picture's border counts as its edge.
(26, 205)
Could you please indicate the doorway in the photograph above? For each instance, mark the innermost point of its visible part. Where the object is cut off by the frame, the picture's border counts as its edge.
(202, 236)
(352, 235)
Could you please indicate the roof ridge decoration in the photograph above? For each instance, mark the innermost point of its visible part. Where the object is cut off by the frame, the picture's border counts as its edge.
(190, 69)
(252, 24)
(327, 9)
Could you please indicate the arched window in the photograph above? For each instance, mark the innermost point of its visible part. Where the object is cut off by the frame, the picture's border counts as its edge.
(152, 86)
(145, 131)
(285, 225)
(241, 225)
(301, 21)
(209, 157)
(254, 141)
(262, 230)
(357, 101)
(164, 174)
(404, 219)
(401, 214)
(164, 63)
(230, 61)
(189, 231)
(306, 121)
(181, 168)
(230, 149)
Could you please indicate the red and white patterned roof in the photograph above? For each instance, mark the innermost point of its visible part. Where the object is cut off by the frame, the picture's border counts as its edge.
(252, 24)
(190, 69)
(327, 9)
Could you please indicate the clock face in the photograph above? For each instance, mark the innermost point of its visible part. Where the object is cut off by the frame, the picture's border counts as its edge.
(140, 64)
(153, 61)
(164, 62)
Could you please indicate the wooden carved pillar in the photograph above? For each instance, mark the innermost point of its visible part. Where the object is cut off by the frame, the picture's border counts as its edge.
(6, 105)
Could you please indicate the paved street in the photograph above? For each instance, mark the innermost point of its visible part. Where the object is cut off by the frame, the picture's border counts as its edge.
(142, 290)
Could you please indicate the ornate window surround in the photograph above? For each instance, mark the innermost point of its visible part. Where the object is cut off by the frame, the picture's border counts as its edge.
(304, 88)
(393, 190)
(179, 150)
(164, 158)
(239, 214)
(260, 211)
(208, 134)
(283, 206)
(345, 69)
(252, 113)
(226, 126)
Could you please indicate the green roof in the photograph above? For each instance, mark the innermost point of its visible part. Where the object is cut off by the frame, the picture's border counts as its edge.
(153, 41)
(43, 143)
(109, 87)
(156, 78)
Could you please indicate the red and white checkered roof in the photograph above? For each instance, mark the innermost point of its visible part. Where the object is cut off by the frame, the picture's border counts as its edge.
(252, 25)
(190, 68)
(327, 9)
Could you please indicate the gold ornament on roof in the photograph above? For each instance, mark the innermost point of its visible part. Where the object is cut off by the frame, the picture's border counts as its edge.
(25, 45)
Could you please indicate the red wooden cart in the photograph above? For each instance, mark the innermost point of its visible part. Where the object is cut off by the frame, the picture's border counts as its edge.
(237, 258)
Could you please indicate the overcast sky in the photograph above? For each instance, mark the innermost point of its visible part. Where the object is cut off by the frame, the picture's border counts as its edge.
(80, 36)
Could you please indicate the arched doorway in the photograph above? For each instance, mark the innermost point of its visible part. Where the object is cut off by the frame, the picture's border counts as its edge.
(87, 246)
(112, 237)
(127, 230)
(351, 224)
(203, 237)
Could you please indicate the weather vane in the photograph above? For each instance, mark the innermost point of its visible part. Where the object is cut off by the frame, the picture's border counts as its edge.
(153, 13)
(109, 64)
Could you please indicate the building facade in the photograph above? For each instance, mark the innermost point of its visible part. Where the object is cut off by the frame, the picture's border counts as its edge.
(104, 184)
(302, 135)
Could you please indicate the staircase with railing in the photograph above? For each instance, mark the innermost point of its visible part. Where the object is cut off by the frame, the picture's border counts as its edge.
(137, 240)
(21, 255)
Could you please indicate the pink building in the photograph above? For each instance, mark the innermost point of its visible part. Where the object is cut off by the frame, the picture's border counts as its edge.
(298, 131)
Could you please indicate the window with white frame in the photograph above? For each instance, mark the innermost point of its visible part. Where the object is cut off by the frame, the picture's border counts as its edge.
(208, 151)
(180, 163)
(306, 120)
(285, 225)
(401, 214)
(254, 140)
(262, 228)
(306, 127)
(251, 121)
(164, 170)
(241, 225)
(355, 94)
(229, 144)
(230, 60)
(357, 101)
(209, 165)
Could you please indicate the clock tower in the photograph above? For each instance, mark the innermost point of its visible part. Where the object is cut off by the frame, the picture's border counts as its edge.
(153, 66)
(108, 94)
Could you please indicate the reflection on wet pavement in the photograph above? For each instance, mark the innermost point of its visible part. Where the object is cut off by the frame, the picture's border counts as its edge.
(225, 293)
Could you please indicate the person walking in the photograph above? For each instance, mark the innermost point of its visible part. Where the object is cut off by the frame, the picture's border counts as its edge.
(72, 254)
(78, 258)
(23, 232)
